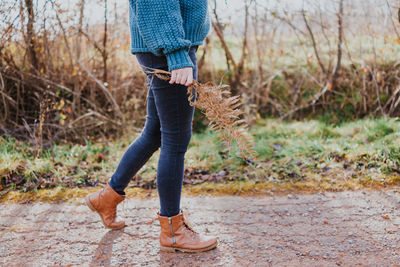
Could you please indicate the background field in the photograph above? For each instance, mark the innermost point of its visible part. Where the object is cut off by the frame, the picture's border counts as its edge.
(318, 81)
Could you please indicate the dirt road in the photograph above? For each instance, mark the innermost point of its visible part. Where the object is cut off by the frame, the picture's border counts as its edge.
(331, 229)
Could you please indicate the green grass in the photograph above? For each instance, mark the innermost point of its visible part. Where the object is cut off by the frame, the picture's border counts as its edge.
(366, 151)
(292, 55)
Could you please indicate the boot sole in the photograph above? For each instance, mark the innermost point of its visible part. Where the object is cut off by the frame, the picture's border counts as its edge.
(89, 204)
(173, 249)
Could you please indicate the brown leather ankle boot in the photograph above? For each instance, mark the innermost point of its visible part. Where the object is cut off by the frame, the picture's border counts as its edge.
(177, 234)
(105, 202)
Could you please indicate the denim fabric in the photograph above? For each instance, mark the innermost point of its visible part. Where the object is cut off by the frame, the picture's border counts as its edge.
(169, 126)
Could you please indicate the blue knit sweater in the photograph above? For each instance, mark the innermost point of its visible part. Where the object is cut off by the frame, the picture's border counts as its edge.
(168, 27)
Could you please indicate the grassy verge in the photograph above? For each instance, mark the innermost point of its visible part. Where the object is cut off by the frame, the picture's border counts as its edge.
(304, 156)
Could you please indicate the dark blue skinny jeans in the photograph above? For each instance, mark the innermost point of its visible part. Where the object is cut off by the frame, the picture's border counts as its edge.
(169, 126)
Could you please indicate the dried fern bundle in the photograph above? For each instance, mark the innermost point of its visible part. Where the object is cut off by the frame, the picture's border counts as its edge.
(222, 110)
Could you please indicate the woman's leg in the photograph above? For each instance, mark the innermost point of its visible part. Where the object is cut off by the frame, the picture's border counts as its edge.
(139, 152)
(169, 125)
(176, 117)
(176, 129)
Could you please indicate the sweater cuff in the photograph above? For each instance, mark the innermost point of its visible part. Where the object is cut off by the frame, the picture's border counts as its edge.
(179, 59)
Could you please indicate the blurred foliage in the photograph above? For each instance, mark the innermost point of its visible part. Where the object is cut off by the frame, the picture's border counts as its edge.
(313, 152)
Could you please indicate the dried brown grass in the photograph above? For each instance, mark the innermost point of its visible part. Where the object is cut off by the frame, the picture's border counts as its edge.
(222, 110)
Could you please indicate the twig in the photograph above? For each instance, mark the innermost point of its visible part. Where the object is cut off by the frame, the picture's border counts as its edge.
(309, 104)
(340, 42)
(378, 100)
(103, 88)
(314, 43)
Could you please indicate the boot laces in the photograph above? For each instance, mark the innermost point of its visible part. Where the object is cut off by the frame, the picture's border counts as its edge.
(189, 228)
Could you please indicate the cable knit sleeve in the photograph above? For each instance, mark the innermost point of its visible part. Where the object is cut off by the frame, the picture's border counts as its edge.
(161, 26)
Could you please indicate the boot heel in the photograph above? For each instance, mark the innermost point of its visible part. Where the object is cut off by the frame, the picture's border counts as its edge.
(89, 204)
(167, 249)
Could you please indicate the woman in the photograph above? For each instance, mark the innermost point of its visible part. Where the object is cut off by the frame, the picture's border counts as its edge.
(164, 35)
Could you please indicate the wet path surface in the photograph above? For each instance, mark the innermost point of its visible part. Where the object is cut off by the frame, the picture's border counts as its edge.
(331, 229)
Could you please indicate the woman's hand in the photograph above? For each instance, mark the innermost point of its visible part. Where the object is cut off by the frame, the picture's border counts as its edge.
(182, 76)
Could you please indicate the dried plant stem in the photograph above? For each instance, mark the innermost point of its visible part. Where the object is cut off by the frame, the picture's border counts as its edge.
(222, 110)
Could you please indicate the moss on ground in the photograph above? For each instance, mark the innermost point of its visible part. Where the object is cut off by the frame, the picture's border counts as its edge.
(238, 188)
(304, 156)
